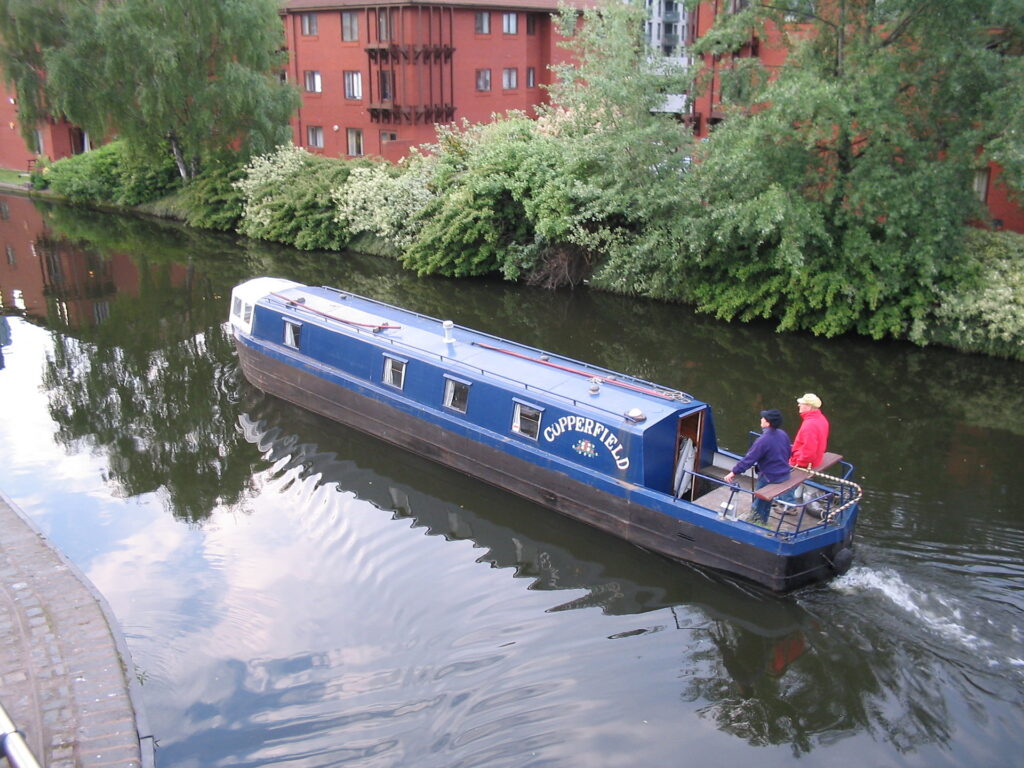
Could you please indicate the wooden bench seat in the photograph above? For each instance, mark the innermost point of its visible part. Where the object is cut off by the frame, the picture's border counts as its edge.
(796, 477)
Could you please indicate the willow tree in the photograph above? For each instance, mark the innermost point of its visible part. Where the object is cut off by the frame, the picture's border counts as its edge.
(836, 194)
(191, 77)
(28, 29)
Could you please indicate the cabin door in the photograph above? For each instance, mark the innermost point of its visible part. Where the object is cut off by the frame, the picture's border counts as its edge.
(687, 459)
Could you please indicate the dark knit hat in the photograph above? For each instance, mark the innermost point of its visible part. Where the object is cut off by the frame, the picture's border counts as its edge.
(773, 416)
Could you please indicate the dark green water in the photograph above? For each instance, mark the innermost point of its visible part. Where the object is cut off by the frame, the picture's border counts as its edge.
(295, 593)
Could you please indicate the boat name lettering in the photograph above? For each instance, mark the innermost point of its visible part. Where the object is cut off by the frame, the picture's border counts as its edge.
(595, 429)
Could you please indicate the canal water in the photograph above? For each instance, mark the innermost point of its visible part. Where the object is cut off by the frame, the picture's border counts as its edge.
(295, 593)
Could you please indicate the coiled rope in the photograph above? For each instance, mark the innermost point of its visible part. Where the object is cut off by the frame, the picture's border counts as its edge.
(838, 481)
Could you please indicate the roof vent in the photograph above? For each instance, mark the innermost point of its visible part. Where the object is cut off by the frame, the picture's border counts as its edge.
(635, 414)
(595, 385)
(448, 325)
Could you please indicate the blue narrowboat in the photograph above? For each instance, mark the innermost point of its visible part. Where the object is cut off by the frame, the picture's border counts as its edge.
(630, 457)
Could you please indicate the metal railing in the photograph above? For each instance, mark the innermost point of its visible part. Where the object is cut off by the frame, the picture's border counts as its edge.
(832, 502)
(13, 742)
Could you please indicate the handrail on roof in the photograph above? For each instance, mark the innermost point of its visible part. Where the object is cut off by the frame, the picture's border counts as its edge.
(299, 304)
(607, 376)
(666, 394)
(616, 377)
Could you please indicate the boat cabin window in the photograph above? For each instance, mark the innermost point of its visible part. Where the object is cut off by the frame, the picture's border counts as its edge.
(526, 420)
(242, 310)
(456, 394)
(394, 372)
(292, 333)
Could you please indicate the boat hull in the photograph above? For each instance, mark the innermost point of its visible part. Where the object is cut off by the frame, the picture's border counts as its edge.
(619, 513)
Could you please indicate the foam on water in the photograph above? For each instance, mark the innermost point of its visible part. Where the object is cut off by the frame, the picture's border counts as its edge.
(941, 614)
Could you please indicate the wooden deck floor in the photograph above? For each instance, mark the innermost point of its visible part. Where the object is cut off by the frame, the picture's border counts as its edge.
(719, 496)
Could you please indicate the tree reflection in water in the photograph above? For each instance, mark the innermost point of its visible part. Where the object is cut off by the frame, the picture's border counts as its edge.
(150, 388)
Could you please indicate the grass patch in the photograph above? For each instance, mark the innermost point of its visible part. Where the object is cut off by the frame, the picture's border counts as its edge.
(171, 206)
(8, 176)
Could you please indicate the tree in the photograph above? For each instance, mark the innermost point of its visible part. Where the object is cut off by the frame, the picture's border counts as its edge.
(28, 29)
(626, 154)
(193, 76)
(836, 195)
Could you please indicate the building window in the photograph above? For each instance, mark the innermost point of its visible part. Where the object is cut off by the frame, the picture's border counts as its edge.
(456, 394)
(39, 142)
(801, 11)
(355, 141)
(531, 77)
(510, 23)
(313, 83)
(314, 136)
(509, 78)
(483, 79)
(386, 80)
(394, 372)
(309, 24)
(353, 85)
(738, 5)
(526, 420)
(383, 27)
(350, 26)
(292, 334)
(10, 255)
(483, 23)
(981, 184)
(531, 24)
(5, 212)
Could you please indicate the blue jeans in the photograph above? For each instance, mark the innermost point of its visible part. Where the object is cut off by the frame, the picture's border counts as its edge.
(762, 508)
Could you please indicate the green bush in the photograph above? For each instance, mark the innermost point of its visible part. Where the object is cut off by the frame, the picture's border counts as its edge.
(141, 180)
(288, 199)
(111, 174)
(386, 201)
(38, 177)
(91, 177)
(213, 199)
(491, 201)
(985, 312)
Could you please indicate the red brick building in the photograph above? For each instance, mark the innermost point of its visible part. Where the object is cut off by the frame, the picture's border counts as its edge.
(55, 139)
(376, 78)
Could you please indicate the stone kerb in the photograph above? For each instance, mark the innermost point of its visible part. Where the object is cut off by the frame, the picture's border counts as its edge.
(66, 676)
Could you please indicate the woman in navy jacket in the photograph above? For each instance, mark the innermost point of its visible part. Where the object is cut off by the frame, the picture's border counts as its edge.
(770, 452)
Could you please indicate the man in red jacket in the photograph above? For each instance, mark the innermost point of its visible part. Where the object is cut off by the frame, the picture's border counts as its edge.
(810, 443)
(811, 439)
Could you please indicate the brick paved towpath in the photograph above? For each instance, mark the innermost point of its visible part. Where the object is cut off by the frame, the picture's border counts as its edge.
(66, 678)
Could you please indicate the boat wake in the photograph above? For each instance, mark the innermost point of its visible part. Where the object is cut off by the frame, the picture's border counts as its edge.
(940, 614)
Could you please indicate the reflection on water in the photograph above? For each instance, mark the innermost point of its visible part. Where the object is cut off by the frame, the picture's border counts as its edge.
(296, 592)
(744, 639)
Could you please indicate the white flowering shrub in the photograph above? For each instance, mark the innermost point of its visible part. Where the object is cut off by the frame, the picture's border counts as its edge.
(987, 314)
(386, 200)
(287, 198)
(264, 178)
